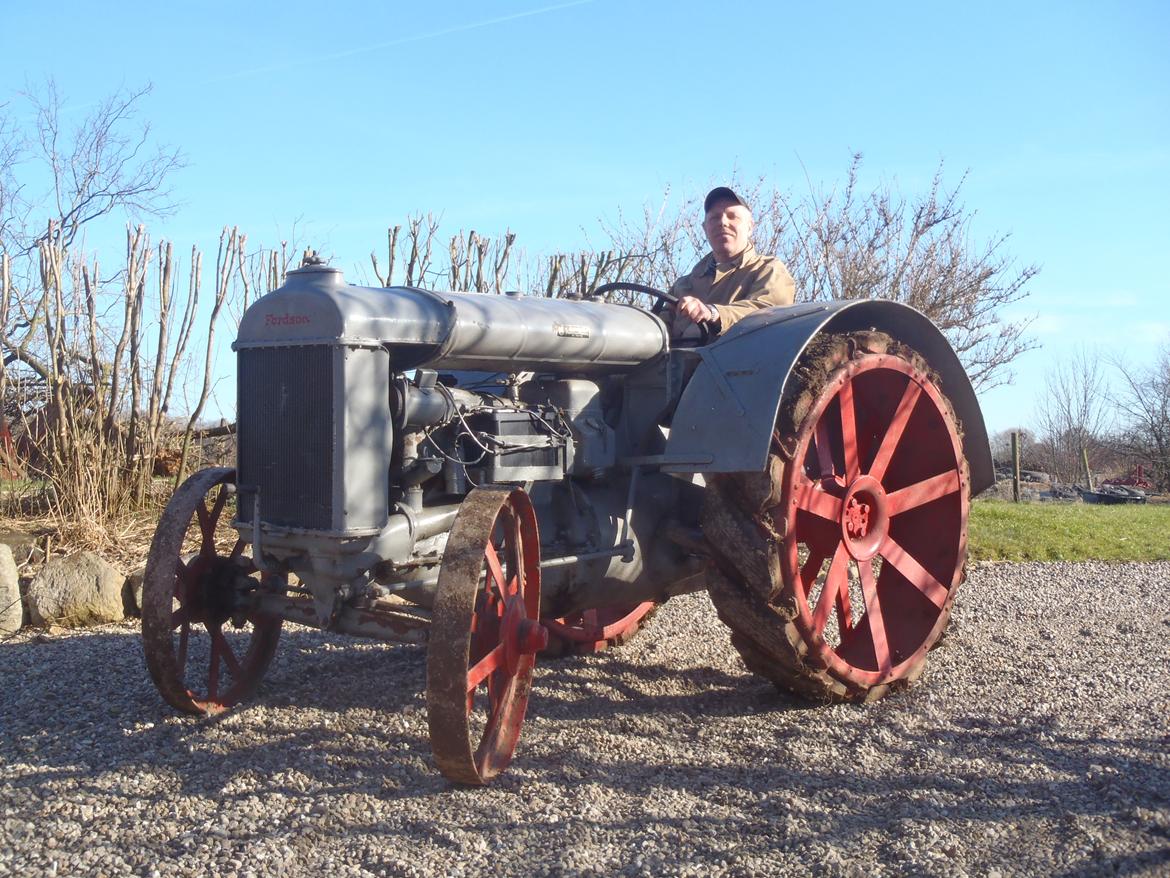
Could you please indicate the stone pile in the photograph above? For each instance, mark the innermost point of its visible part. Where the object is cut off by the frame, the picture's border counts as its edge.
(72, 591)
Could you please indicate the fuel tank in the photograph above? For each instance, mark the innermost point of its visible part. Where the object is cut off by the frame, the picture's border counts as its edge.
(458, 331)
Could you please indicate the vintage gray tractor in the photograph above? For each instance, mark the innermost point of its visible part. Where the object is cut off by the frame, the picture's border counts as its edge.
(507, 476)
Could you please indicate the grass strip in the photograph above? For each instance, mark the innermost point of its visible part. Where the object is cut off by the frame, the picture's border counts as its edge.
(1004, 531)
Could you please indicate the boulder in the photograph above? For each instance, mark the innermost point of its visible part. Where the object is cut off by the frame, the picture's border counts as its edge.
(81, 589)
(11, 609)
(25, 548)
(132, 592)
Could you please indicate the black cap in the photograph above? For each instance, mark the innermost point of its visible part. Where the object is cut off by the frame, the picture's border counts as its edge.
(721, 193)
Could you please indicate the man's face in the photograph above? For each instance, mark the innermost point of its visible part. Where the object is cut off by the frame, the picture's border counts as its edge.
(729, 229)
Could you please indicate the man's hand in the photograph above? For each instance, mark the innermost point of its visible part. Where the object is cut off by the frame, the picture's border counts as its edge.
(696, 310)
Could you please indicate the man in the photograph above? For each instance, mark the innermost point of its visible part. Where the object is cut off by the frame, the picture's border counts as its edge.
(733, 280)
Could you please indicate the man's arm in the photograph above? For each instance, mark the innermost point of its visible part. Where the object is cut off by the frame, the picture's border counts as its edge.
(772, 286)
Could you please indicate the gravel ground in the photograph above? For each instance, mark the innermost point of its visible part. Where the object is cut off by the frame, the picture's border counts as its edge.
(1036, 743)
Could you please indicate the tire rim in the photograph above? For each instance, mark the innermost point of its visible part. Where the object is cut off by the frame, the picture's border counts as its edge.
(876, 504)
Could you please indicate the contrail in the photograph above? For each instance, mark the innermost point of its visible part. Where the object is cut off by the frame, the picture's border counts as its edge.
(348, 53)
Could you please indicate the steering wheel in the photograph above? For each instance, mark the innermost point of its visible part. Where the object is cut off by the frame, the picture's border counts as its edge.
(663, 299)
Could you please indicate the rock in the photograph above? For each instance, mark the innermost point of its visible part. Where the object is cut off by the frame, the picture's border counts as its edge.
(24, 546)
(11, 609)
(81, 589)
(132, 592)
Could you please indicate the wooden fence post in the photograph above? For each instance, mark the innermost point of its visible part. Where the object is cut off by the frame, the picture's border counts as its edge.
(1085, 463)
(1015, 466)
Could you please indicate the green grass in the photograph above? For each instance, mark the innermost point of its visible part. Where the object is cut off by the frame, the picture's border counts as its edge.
(1002, 531)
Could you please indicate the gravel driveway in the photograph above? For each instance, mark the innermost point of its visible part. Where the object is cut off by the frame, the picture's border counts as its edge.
(1036, 743)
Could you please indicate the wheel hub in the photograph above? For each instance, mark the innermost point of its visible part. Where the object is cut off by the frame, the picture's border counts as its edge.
(519, 634)
(214, 599)
(864, 518)
(856, 518)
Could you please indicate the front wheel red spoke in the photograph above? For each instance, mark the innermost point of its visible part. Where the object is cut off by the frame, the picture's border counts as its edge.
(914, 573)
(836, 580)
(225, 651)
(873, 614)
(894, 431)
(184, 638)
(485, 667)
(495, 569)
(213, 669)
(926, 491)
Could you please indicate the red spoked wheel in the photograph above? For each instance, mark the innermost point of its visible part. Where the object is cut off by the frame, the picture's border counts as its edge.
(484, 635)
(869, 531)
(592, 631)
(206, 646)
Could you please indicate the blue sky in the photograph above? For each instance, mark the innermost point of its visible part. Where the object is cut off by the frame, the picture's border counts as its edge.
(344, 117)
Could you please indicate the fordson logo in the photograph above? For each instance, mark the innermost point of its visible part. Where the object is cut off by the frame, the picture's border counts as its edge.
(285, 319)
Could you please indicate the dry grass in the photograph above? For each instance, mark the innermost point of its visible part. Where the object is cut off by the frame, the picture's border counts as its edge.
(123, 540)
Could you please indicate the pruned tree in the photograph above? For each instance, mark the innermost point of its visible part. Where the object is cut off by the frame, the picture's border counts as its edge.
(90, 363)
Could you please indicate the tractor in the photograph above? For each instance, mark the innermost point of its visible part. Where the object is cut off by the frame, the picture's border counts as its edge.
(507, 477)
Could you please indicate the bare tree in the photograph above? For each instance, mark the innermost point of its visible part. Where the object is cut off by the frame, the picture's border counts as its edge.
(841, 242)
(1030, 449)
(1143, 403)
(1074, 415)
(105, 163)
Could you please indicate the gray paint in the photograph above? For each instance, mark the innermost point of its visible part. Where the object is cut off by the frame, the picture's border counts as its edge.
(454, 331)
(365, 439)
(736, 390)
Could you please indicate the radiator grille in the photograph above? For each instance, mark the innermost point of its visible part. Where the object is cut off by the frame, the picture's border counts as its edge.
(285, 416)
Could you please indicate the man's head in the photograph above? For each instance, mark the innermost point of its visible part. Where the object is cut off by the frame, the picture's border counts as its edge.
(727, 222)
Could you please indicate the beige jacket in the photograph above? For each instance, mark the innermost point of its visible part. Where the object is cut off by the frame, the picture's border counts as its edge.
(736, 289)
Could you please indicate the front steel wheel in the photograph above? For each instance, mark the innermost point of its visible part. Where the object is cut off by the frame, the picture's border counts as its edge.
(485, 633)
(838, 566)
(206, 646)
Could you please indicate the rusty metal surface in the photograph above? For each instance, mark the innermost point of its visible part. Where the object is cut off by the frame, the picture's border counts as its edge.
(397, 624)
(596, 630)
(168, 577)
(458, 754)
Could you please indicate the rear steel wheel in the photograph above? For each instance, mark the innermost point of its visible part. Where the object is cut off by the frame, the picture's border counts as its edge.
(485, 633)
(838, 566)
(206, 647)
(592, 631)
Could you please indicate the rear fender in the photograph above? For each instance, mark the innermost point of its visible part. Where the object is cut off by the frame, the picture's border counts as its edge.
(728, 410)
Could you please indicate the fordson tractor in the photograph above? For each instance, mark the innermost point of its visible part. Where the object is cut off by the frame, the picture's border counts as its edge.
(505, 477)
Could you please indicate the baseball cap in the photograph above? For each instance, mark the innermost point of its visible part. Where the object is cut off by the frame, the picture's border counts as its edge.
(721, 193)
